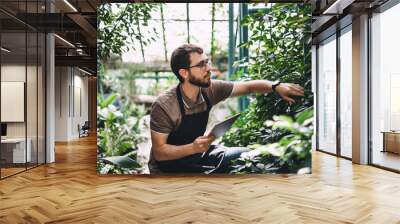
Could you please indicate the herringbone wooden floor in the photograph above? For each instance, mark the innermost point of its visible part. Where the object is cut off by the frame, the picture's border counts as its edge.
(70, 191)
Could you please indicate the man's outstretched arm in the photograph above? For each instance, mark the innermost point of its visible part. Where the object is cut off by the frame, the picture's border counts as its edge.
(285, 90)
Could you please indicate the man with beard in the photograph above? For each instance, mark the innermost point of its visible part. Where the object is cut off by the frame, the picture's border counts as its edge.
(179, 116)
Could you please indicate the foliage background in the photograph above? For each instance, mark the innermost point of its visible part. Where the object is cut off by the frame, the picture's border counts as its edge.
(118, 117)
(280, 48)
(281, 41)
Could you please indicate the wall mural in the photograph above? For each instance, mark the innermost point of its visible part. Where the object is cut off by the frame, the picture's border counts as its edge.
(173, 97)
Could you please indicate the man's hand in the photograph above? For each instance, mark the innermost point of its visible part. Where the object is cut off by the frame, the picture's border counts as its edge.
(285, 90)
(163, 151)
(202, 143)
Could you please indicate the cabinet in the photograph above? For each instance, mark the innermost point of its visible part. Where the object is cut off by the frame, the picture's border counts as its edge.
(391, 141)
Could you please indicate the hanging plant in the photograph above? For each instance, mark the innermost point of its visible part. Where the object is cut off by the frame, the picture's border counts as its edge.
(119, 27)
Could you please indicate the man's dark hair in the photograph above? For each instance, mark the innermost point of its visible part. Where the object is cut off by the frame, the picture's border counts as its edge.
(180, 58)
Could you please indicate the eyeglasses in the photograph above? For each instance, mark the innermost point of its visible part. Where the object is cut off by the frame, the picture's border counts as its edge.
(202, 64)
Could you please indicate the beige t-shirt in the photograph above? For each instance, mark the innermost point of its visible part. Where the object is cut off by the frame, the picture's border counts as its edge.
(165, 113)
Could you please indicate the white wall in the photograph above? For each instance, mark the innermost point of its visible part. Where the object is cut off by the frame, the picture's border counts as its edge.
(33, 126)
(10, 73)
(71, 94)
(62, 81)
(80, 110)
(16, 73)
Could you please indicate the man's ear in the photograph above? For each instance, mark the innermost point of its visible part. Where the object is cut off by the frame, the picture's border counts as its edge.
(183, 73)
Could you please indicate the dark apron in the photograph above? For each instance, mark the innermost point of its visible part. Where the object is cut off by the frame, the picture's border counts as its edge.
(191, 127)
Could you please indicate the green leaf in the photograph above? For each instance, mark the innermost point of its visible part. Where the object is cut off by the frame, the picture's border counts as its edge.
(122, 162)
(286, 118)
(303, 116)
(109, 100)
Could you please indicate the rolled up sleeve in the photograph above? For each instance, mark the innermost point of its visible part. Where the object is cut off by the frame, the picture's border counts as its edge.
(220, 90)
(159, 119)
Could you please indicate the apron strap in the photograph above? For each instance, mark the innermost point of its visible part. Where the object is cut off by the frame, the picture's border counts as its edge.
(179, 96)
(206, 99)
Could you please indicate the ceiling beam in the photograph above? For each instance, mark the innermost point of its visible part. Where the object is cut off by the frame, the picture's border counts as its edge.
(86, 26)
(82, 61)
(337, 6)
(320, 22)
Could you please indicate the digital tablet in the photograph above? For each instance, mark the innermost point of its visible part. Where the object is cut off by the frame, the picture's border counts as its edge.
(220, 128)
